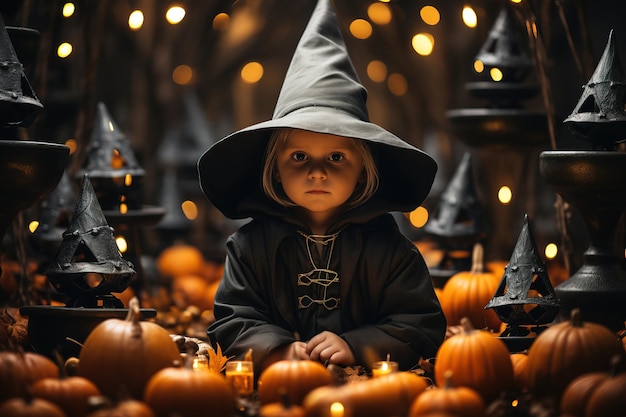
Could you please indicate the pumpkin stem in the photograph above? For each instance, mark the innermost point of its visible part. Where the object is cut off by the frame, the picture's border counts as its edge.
(133, 316)
(248, 356)
(467, 325)
(447, 379)
(478, 259)
(576, 318)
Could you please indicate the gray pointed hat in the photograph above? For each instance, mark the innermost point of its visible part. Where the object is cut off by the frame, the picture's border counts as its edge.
(321, 93)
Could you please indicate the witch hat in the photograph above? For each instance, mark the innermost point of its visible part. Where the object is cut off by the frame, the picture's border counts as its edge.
(89, 247)
(599, 115)
(19, 105)
(321, 93)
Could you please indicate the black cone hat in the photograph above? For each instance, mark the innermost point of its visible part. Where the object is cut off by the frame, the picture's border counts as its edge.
(321, 93)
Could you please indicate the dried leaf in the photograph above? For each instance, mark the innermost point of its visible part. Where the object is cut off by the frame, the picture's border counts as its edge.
(217, 361)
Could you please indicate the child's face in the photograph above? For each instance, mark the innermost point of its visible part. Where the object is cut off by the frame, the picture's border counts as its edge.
(319, 172)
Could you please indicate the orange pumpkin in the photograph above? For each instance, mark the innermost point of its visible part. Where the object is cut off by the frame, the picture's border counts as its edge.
(18, 371)
(477, 359)
(387, 395)
(466, 294)
(567, 350)
(609, 398)
(193, 290)
(124, 408)
(180, 259)
(189, 393)
(296, 377)
(459, 401)
(30, 407)
(576, 395)
(519, 369)
(120, 356)
(71, 394)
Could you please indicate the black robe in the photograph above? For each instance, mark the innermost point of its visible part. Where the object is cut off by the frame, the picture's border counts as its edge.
(387, 304)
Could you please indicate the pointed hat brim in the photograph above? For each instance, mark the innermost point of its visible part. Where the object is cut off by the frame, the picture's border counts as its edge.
(321, 93)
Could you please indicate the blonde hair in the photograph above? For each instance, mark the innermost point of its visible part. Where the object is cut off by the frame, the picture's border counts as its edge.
(272, 188)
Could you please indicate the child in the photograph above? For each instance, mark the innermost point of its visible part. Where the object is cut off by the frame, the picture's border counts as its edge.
(321, 271)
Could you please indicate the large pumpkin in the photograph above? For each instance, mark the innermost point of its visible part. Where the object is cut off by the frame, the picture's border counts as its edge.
(186, 392)
(387, 395)
(120, 356)
(294, 377)
(466, 294)
(477, 359)
(567, 350)
(20, 370)
(609, 398)
(180, 259)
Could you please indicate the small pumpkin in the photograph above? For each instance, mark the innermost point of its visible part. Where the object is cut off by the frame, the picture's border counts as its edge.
(193, 290)
(459, 401)
(180, 259)
(387, 395)
(466, 293)
(567, 350)
(296, 377)
(30, 407)
(518, 360)
(186, 392)
(19, 370)
(71, 394)
(120, 356)
(282, 409)
(124, 408)
(477, 359)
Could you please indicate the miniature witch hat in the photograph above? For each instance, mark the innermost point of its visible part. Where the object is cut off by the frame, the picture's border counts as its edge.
(110, 153)
(19, 105)
(525, 294)
(89, 246)
(599, 115)
(459, 212)
(321, 93)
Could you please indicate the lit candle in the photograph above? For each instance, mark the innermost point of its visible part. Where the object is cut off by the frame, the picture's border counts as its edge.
(381, 368)
(200, 363)
(240, 376)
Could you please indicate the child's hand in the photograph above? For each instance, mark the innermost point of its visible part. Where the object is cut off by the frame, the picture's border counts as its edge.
(297, 351)
(327, 347)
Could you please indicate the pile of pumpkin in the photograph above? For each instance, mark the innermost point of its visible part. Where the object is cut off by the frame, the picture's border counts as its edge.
(136, 366)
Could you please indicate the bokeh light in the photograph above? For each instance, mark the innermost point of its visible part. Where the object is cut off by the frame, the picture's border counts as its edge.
(221, 22)
(64, 50)
(551, 250)
(361, 28)
(377, 71)
(430, 15)
(469, 17)
(68, 9)
(252, 72)
(379, 13)
(182, 74)
(397, 84)
(423, 43)
(175, 14)
(505, 194)
(190, 209)
(135, 20)
(496, 74)
(418, 217)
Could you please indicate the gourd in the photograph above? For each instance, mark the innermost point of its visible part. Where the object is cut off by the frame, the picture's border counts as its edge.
(30, 407)
(20, 370)
(296, 377)
(459, 401)
(567, 350)
(120, 356)
(71, 394)
(186, 392)
(477, 359)
(387, 395)
(466, 293)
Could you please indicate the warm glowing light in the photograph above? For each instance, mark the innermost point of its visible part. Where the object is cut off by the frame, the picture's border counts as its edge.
(479, 66)
(551, 250)
(430, 15)
(72, 144)
(68, 9)
(135, 20)
(361, 29)
(117, 161)
(397, 84)
(190, 209)
(123, 208)
(121, 244)
(32, 226)
(337, 409)
(252, 72)
(516, 1)
(221, 22)
(379, 13)
(128, 180)
(505, 194)
(182, 74)
(496, 74)
(377, 71)
(418, 217)
(64, 50)
(469, 17)
(175, 15)
(514, 403)
(423, 43)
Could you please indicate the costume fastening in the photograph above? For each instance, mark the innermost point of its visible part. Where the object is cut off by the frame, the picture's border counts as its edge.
(324, 277)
